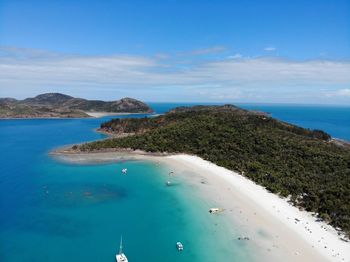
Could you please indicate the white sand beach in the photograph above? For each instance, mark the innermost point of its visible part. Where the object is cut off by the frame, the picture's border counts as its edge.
(295, 235)
(103, 114)
(279, 230)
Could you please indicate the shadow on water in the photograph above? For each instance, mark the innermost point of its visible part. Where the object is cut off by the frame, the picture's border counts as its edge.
(72, 195)
(56, 203)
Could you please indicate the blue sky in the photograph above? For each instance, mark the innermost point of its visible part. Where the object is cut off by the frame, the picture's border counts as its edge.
(231, 51)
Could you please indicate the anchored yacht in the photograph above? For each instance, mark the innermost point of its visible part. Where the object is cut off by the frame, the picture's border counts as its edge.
(121, 257)
(179, 246)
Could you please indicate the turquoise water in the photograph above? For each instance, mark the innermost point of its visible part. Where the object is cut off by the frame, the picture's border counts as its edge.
(54, 211)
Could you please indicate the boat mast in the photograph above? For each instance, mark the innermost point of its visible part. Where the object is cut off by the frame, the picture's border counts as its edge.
(121, 245)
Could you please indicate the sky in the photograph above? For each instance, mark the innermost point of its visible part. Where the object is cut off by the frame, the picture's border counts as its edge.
(258, 51)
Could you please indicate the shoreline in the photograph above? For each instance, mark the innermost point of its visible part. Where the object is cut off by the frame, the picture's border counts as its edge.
(91, 115)
(103, 114)
(289, 233)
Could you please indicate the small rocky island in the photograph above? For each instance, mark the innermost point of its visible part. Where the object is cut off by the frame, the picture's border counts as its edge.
(56, 105)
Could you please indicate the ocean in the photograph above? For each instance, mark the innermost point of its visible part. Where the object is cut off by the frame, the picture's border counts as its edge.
(56, 211)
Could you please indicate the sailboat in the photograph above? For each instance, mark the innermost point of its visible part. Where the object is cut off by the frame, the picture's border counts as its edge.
(120, 257)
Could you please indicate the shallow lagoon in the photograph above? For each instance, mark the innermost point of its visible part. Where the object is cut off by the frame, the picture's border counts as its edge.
(55, 211)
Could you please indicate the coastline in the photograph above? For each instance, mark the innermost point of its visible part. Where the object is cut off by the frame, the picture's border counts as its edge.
(90, 115)
(103, 114)
(288, 233)
(44, 118)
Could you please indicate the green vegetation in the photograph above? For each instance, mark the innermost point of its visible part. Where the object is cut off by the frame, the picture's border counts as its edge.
(60, 105)
(286, 159)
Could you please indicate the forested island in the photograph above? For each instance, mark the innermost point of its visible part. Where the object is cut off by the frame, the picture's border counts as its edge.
(301, 164)
(56, 105)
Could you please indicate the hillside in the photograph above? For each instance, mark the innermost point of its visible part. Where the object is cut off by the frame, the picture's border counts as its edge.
(60, 105)
(291, 161)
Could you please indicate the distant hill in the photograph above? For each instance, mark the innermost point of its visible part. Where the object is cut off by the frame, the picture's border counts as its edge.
(58, 105)
(304, 165)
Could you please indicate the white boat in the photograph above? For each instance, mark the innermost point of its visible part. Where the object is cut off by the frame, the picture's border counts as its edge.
(121, 257)
(179, 246)
(124, 171)
(215, 210)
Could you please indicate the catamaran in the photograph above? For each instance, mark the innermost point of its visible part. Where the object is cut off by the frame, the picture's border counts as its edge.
(121, 257)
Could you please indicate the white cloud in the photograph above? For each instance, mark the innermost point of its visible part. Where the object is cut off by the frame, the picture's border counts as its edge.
(339, 93)
(344, 92)
(235, 56)
(235, 78)
(209, 50)
(162, 56)
(270, 48)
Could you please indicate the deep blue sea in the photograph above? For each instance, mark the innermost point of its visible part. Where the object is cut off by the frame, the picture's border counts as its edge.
(55, 211)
